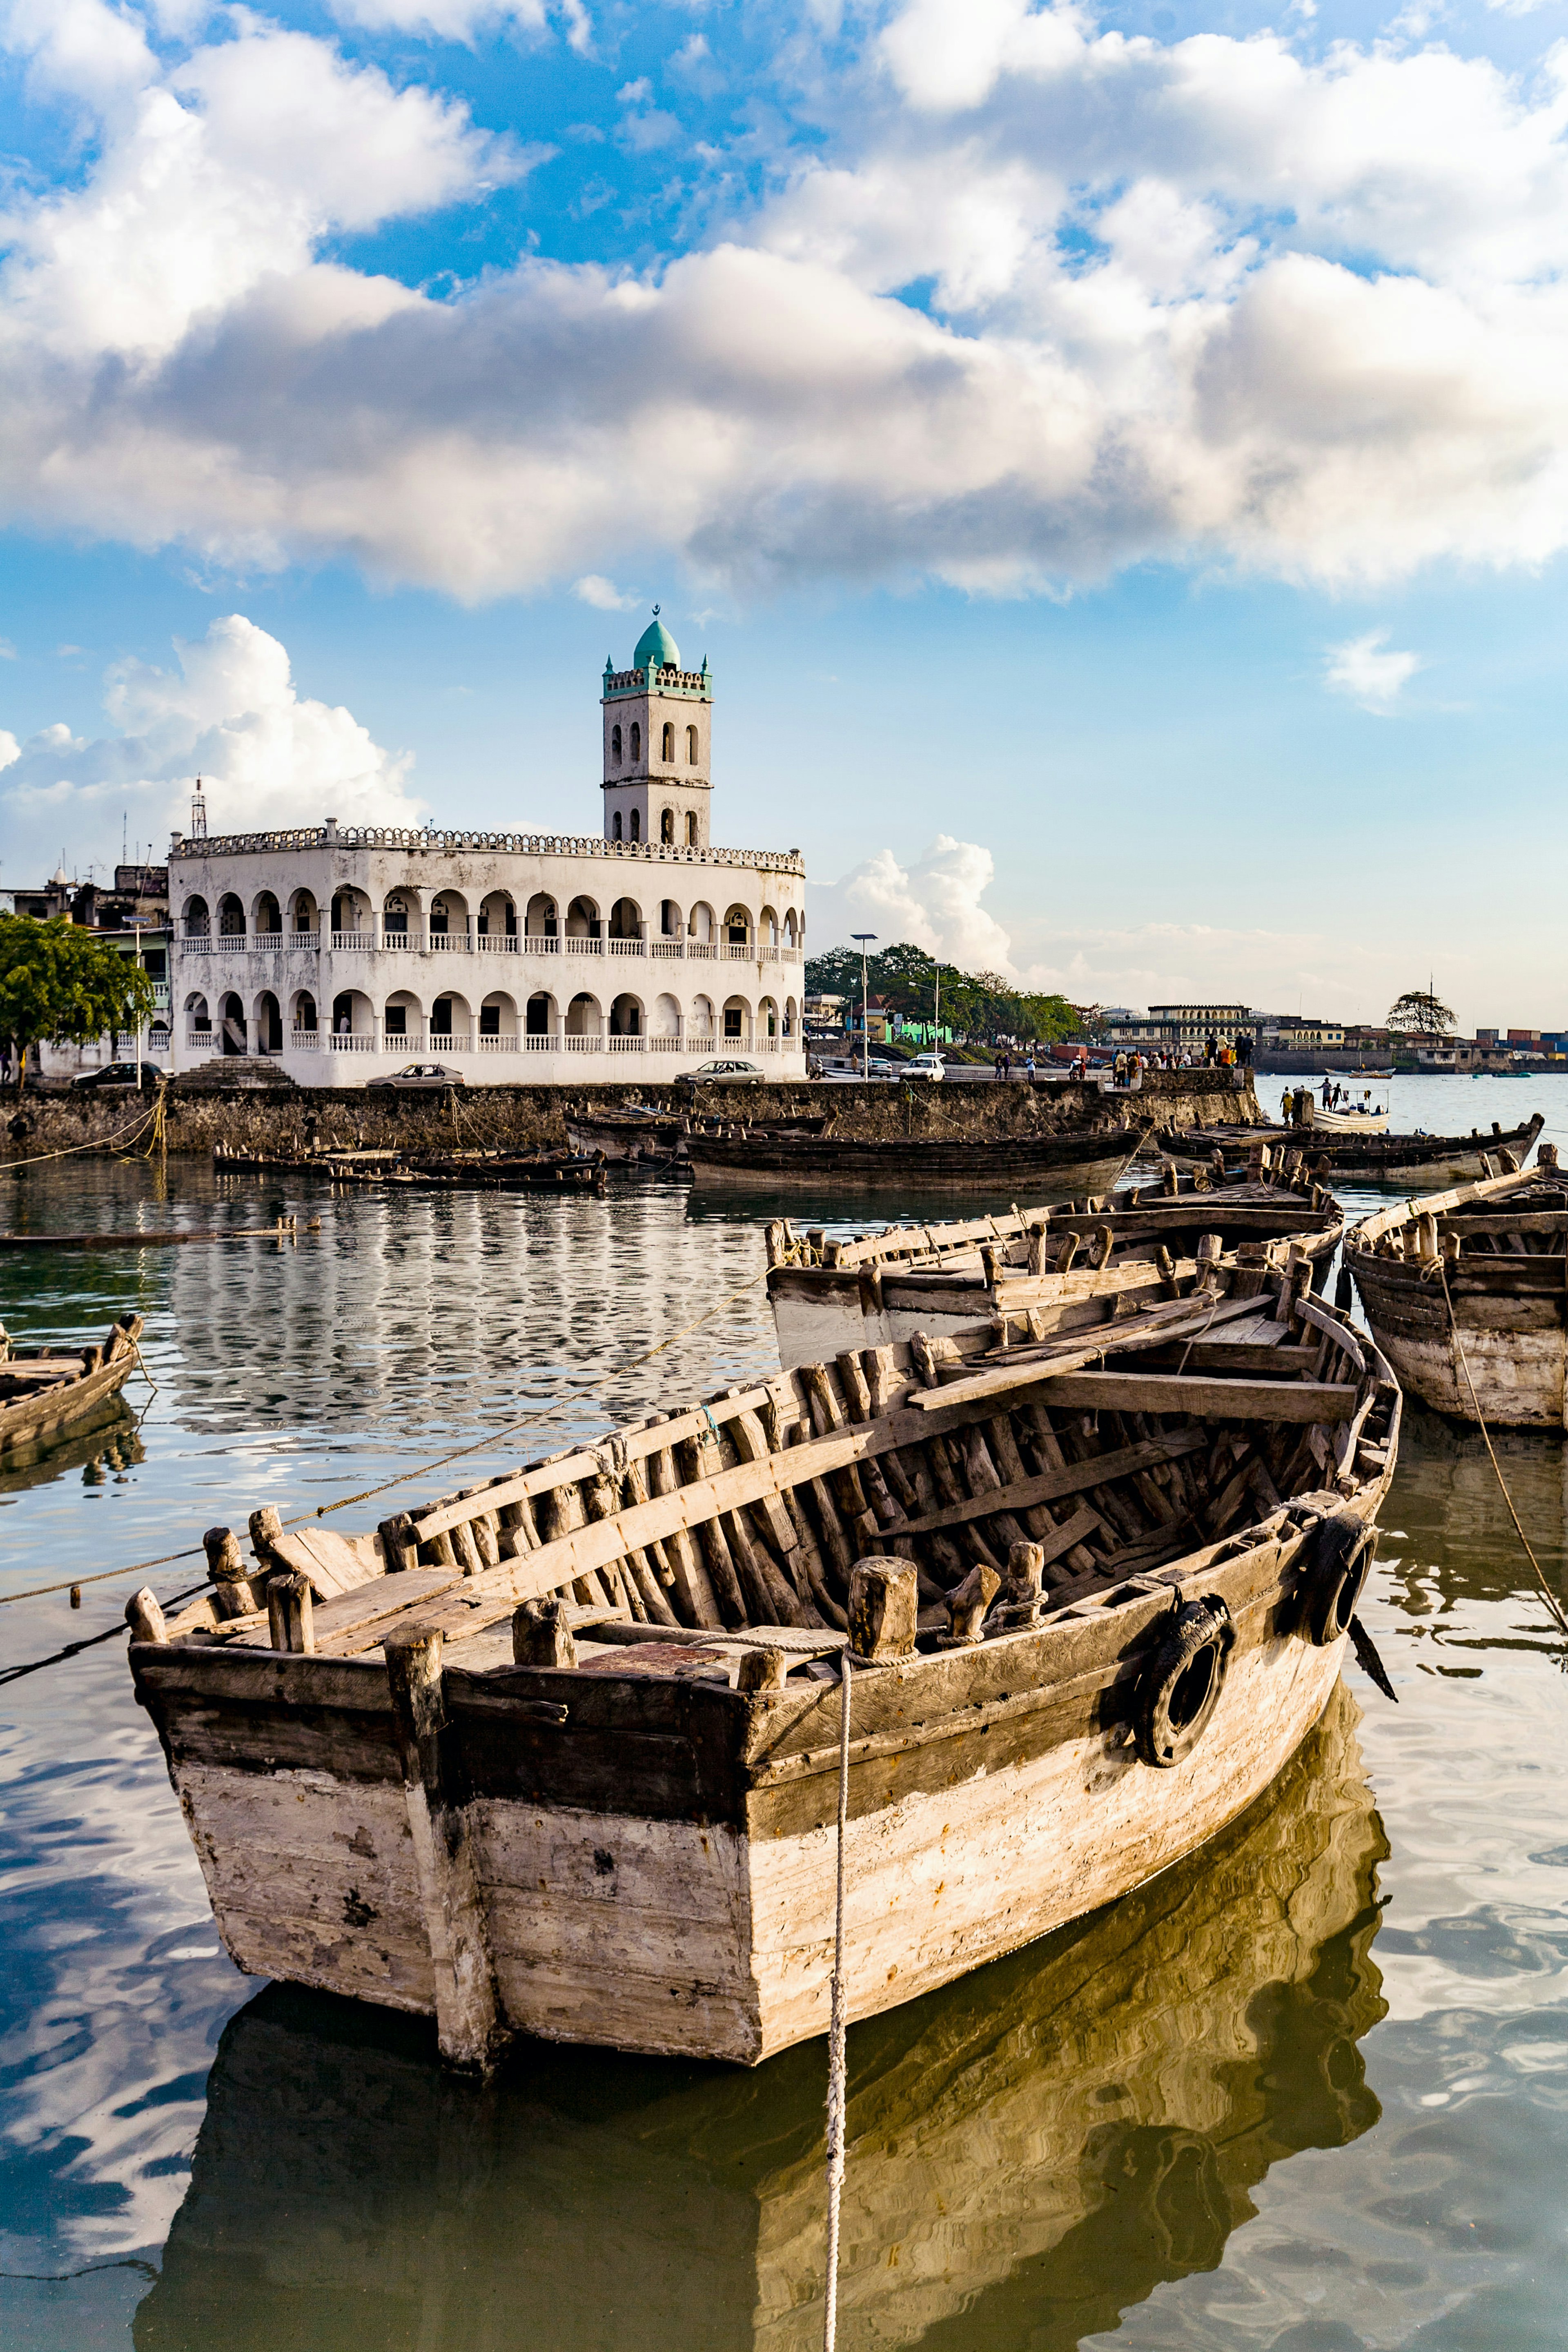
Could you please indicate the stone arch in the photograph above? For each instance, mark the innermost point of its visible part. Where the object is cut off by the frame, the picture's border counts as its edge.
(671, 922)
(584, 1017)
(789, 927)
(768, 1018)
(737, 1023)
(497, 917)
(194, 917)
(699, 924)
(230, 917)
(691, 829)
(626, 1017)
(667, 743)
(233, 1033)
(265, 915)
(738, 927)
(303, 914)
(637, 824)
(353, 1015)
(349, 911)
(498, 1022)
(625, 920)
(400, 916)
(667, 828)
(541, 1018)
(267, 1023)
(616, 833)
(541, 918)
(302, 1013)
(692, 747)
(449, 919)
(637, 741)
(403, 1020)
(198, 1020)
(451, 1022)
(582, 921)
(768, 928)
(700, 1025)
(791, 1018)
(664, 1020)
(614, 747)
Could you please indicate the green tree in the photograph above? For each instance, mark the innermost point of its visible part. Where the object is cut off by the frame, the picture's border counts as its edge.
(1419, 1009)
(61, 982)
(981, 1004)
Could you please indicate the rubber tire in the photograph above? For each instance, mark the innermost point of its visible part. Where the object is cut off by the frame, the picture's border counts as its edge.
(1202, 1634)
(1341, 1560)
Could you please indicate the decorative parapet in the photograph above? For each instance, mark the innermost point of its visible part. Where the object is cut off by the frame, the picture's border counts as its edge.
(656, 680)
(517, 844)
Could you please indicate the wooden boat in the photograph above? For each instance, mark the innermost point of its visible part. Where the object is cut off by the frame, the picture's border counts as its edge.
(1063, 2132)
(1475, 1277)
(43, 1392)
(492, 1170)
(1034, 1271)
(1084, 1159)
(1350, 1122)
(1409, 1162)
(656, 1134)
(560, 1754)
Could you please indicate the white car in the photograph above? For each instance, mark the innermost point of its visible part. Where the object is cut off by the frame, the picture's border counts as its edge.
(925, 1065)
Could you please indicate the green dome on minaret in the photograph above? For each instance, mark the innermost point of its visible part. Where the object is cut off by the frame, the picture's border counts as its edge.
(656, 645)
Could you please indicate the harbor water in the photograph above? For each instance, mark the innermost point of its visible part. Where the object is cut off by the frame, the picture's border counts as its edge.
(1307, 2091)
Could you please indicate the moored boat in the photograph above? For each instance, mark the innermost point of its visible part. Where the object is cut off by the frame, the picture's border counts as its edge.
(1466, 1295)
(1415, 1164)
(44, 1392)
(1034, 1271)
(560, 1754)
(1084, 1158)
(645, 1134)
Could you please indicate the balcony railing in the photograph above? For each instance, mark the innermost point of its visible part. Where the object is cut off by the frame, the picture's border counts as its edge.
(453, 1041)
(665, 1045)
(664, 946)
(701, 948)
(584, 947)
(402, 942)
(575, 1045)
(447, 942)
(628, 947)
(308, 942)
(196, 938)
(502, 1044)
(304, 1041)
(229, 943)
(497, 943)
(352, 942)
(542, 943)
(540, 1042)
(621, 1044)
(200, 1041)
(736, 953)
(348, 1041)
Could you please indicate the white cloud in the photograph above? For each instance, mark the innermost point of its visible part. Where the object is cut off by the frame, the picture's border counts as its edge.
(1361, 669)
(461, 20)
(230, 713)
(602, 594)
(10, 750)
(1208, 299)
(934, 903)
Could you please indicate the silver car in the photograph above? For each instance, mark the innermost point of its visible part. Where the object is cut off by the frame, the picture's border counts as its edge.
(723, 1074)
(421, 1074)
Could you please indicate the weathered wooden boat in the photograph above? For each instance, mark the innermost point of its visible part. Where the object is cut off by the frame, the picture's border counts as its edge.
(1410, 1162)
(1351, 1121)
(43, 1392)
(662, 1135)
(1035, 1271)
(1465, 1292)
(1063, 2132)
(492, 1170)
(1086, 1159)
(560, 1754)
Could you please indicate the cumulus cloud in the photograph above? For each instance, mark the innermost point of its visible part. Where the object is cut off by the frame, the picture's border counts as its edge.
(935, 903)
(1361, 669)
(229, 712)
(1209, 300)
(602, 594)
(462, 20)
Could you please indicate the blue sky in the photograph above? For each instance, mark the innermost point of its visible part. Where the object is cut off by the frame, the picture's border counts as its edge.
(1114, 461)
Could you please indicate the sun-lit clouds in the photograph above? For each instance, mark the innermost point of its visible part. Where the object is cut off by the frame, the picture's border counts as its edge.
(1366, 670)
(935, 903)
(464, 20)
(602, 594)
(229, 712)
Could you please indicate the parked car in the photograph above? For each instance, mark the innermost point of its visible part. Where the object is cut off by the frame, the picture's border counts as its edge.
(119, 1073)
(925, 1065)
(722, 1073)
(421, 1074)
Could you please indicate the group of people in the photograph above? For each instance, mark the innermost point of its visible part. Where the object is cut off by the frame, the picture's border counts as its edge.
(1002, 1066)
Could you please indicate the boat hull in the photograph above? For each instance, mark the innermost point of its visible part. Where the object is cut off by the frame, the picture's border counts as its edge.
(1404, 1164)
(26, 1422)
(1068, 1166)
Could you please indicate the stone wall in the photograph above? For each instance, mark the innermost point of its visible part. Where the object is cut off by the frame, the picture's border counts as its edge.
(519, 1117)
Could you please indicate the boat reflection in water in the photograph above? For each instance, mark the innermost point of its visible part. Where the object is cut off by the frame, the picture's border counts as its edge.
(1031, 2151)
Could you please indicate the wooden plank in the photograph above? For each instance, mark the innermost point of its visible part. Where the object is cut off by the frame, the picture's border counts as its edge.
(333, 1563)
(1220, 1355)
(1026, 1366)
(1023, 1494)
(1332, 1328)
(1216, 1399)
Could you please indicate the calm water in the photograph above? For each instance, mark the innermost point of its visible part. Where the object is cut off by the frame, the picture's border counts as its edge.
(1309, 2092)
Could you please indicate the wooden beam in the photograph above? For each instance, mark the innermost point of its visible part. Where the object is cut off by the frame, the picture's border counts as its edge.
(1024, 1493)
(1214, 1400)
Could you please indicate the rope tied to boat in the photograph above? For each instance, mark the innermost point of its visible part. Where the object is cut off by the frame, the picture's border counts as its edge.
(1553, 1604)
(836, 2071)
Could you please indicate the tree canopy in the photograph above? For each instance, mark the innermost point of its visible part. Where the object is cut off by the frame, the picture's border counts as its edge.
(61, 982)
(972, 1004)
(1418, 1009)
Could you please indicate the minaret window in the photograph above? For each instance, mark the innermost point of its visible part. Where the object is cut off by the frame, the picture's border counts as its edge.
(691, 829)
(692, 747)
(614, 747)
(667, 828)
(615, 826)
(637, 824)
(637, 741)
(668, 751)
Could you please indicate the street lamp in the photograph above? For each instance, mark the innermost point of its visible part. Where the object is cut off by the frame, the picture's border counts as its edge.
(865, 938)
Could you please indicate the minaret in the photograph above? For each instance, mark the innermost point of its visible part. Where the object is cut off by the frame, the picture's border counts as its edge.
(657, 730)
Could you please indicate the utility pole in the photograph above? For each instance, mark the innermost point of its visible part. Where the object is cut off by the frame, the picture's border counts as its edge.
(136, 934)
(865, 938)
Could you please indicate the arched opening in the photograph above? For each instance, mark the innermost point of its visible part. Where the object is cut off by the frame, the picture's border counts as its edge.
(615, 826)
(626, 927)
(614, 747)
(664, 1025)
(667, 828)
(691, 841)
(198, 1020)
(670, 923)
(692, 747)
(496, 922)
(196, 920)
(700, 1029)
(768, 931)
(541, 1017)
(304, 1016)
(450, 1024)
(230, 917)
(351, 918)
(625, 1025)
(403, 1020)
(789, 927)
(791, 1018)
(302, 912)
(584, 1023)
(584, 932)
(269, 1024)
(667, 745)
(767, 1025)
(637, 741)
(394, 921)
(637, 824)
(700, 928)
(498, 1024)
(449, 920)
(234, 1035)
(355, 1029)
(542, 926)
(266, 916)
(737, 1021)
(738, 929)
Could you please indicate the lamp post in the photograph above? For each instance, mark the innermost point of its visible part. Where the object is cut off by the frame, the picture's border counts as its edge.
(136, 935)
(865, 938)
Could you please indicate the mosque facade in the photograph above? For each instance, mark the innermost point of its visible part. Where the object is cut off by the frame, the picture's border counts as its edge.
(347, 952)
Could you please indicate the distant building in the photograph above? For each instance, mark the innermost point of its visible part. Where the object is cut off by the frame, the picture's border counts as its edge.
(132, 918)
(1179, 1027)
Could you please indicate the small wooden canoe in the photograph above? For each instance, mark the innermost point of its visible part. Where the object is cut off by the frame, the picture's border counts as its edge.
(1084, 1159)
(1475, 1277)
(43, 1392)
(1350, 1122)
(560, 1754)
(1414, 1163)
(1033, 1272)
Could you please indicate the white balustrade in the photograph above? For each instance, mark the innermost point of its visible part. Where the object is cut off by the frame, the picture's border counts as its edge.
(455, 1041)
(542, 1042)
(789, 955)
(350, 1041)
(350, 943)
(402, 942)
(195, 942)
(628, 947)
(503, 1045)
(734, 954)
(625, 1044)
(665, 1045)
(304, 1041)
(200, 1041)
(584, 947)
(664, 946)
(447, 942)
(575, 1045)
(701, 948)
(496, 942)
(229, 943)
(543, 943)
(309, 941)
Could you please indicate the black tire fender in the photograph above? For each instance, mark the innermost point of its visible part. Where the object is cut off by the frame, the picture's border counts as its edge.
(1179, 1689)
(1340, 1559)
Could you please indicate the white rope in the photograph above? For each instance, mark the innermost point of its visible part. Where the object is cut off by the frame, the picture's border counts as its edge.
(836, 2082)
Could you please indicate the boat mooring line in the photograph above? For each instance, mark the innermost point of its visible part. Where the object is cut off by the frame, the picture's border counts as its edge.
(66, 1150)
(835, 2066)
(88, 1642)
(1551, 1598)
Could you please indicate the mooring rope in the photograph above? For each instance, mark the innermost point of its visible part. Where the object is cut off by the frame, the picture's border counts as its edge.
(837, 2086)
(1551, 1598)
(98, 1143)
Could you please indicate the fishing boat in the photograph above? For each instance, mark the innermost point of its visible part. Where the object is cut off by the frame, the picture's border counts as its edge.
(1351, 1119)
(560, 1754)
(640, 1132)
(1066, 2131)
(1083, 1159)
(1412, 1163)
(1034, 1271)
(482, 1170)
(45, 1391)
(1466, 1294)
